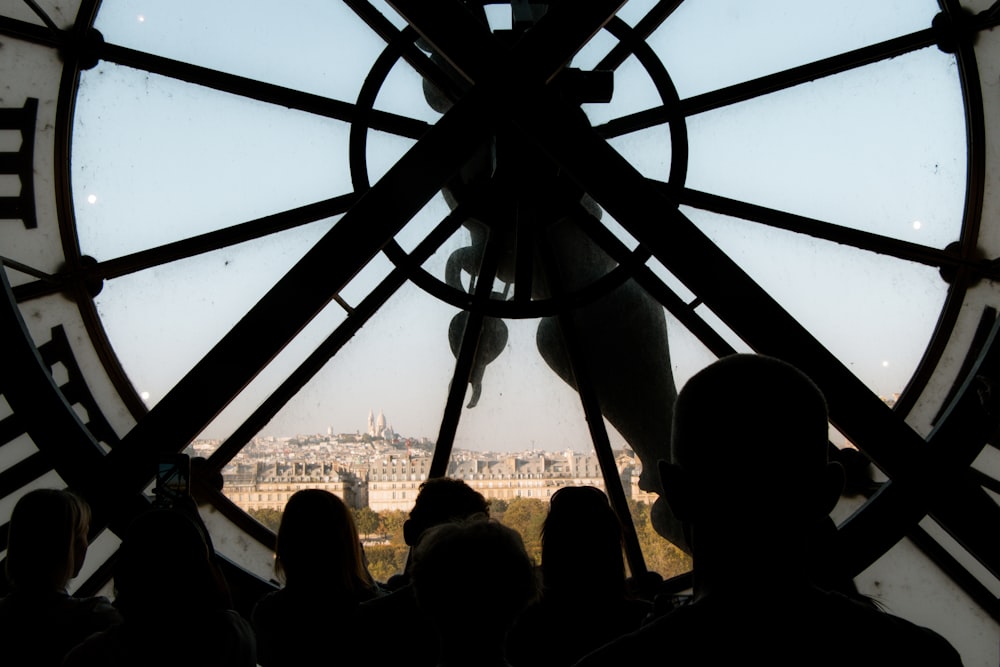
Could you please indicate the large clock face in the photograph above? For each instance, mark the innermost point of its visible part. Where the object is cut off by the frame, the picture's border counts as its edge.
(512, 227)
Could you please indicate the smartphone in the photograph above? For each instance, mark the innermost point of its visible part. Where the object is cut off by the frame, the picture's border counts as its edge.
(173, 479)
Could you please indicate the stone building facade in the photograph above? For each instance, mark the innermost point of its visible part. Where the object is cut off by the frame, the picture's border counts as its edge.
(390, 481)
(263, 485)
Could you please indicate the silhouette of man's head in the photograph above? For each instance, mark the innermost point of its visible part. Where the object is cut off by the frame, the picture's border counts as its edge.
(750, 430)
(442, 500)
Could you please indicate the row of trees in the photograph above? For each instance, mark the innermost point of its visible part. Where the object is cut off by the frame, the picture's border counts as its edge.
(386, 550)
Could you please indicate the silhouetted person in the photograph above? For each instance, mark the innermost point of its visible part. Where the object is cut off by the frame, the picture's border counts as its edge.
(472, 579)
(46, 546)
(318, 555)
(749, 476)
(176, 610)
(440, 500)
(584, 603)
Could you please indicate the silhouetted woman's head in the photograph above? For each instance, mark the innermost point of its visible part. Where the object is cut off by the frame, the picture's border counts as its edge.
(47, 539)
(318, 544)
(582, 544)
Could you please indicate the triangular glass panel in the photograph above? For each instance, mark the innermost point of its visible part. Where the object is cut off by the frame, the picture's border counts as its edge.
(875, 313)
(158, 160)
(178, 311)
(327, 54)
(881, 149)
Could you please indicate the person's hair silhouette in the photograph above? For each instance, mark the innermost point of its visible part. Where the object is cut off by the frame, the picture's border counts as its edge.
(472, 578)
(318, 555)
(584, 599)
(47, 540)
(318, 546)
(750, 477)
(46, 547)
(440, 500)
(581, 521)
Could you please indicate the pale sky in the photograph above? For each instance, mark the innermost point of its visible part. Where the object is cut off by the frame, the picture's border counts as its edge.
(154, 160)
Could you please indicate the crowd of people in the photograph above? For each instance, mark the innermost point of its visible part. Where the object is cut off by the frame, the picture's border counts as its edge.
(471, 595)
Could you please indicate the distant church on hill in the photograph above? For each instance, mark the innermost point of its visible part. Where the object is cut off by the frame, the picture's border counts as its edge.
(377, 428)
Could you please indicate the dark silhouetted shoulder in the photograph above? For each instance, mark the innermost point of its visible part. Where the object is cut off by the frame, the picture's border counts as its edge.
(38, 630)
(815, 628)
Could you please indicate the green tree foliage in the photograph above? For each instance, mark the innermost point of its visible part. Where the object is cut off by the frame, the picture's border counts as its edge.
(661, 556)
(497, 506)
(268, 517)
(390, 524)
(526, 516)
(385, 560)
(367, 521)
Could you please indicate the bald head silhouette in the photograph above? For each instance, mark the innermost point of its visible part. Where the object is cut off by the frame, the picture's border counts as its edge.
(749, 452)
(749, 477)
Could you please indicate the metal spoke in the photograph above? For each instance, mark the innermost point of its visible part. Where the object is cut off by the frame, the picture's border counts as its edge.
(189, 247)
(646, 26)
(877, 243)
(580, 367)
(29, 32)
(659, 290)
(264, 92)
(475, 54)
(359, 315)
(298, 296)
(771, 83)
(750, 311)
(465, 358)
(408, 49)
